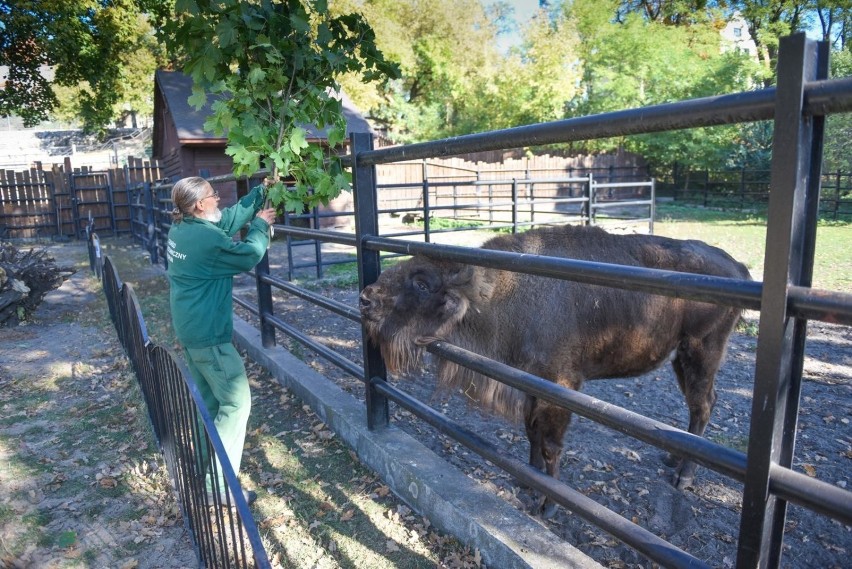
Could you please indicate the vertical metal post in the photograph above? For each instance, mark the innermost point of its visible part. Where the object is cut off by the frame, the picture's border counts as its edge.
(589, 195)
(264, 302)
(530, 193)
(317, 243)
(490, 204)
(369, 267)
(790, 235)
(290, 252)
(837, 194)
(514, 205)
(653, 208)
(427, 231)
(427, 214)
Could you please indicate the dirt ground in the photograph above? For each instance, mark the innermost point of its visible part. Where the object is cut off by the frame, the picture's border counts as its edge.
(628, 476)
(81, 481)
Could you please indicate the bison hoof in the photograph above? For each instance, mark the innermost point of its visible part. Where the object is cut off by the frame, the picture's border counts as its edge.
(547, 508)
(682, 482)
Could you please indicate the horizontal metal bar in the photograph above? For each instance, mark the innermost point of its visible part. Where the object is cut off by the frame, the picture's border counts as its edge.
(816, 304)
(320, 235)
(605, 205)
(706, 111)
(828, 96)
(646, 183)
(821, 97)
(643, 541)
(343, 363)
(486, 205)
(704, 288)
(328, 303)
(717, 457)
(813, 304)
(813, 494)
(247, 305)
(525, 181)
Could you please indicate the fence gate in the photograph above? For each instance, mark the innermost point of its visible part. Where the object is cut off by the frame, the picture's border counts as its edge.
(91, 197)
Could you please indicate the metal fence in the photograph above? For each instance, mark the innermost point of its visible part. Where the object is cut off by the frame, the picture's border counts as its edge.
(785, 300)
(749, 189)
(215, 513)
(422, 210)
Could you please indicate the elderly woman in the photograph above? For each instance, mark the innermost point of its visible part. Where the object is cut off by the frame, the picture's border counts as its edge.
(203, 259)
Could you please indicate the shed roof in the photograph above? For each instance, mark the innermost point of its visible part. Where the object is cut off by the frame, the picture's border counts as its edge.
(189, 123)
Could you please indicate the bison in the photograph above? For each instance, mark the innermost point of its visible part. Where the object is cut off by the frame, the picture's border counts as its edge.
(563, 331)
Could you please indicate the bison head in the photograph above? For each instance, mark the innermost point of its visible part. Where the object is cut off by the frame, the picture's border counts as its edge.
(416, 302)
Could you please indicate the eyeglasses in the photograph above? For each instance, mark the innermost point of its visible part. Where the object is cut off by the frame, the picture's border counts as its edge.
(214, 195)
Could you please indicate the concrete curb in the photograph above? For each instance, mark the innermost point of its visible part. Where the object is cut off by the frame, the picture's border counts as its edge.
(454, 503)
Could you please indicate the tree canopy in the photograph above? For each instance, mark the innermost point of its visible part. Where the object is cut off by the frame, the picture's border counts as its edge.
(96, 47)
(574, 57)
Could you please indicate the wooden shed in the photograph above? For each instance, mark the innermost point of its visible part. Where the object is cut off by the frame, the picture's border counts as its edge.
(184, 148)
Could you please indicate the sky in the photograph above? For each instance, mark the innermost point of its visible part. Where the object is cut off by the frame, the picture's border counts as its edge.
(524, 10)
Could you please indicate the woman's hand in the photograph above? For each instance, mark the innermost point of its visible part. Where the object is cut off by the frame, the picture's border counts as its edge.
(267, 215)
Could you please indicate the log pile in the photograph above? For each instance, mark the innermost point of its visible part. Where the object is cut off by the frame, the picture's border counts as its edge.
(25, 278)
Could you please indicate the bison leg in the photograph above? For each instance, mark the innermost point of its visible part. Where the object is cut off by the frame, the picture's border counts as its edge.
(695, 364)
(545, 425)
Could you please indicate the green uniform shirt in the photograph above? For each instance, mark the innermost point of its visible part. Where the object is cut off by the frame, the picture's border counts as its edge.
(203, 260)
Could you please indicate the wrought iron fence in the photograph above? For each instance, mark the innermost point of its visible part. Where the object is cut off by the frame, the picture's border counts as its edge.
(214, 509)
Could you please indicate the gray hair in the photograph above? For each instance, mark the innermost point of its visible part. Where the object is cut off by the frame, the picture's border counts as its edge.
(185, 193)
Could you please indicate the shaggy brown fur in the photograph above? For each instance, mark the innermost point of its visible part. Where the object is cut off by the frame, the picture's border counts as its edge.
(563, 331)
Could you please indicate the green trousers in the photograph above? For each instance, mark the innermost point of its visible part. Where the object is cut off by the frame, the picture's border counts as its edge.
(220, 376)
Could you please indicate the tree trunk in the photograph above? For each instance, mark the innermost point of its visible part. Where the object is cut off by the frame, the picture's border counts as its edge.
(25, 279)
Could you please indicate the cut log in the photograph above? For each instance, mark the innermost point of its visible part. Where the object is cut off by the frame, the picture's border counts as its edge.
(25, 279)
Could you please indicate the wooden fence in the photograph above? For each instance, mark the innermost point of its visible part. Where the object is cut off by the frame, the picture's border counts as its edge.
(59, 201)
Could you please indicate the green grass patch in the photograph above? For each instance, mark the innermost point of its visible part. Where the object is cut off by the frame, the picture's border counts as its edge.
(743, 235)
(38, 518)
(6, 514)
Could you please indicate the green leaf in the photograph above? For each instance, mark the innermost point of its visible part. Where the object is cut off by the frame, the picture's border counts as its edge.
(336, 135)
(226, 32)
(198, 98)
(297, 139)
(256, 75)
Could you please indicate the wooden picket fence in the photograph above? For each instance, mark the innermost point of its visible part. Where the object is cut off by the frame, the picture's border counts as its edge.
(61, 200)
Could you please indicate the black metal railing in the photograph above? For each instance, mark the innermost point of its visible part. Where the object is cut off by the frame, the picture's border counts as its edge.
(215, 512)
(785, 300)
(511, 204)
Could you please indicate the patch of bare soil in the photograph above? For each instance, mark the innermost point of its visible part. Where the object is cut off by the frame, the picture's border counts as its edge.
(81, 481)
(628, 476)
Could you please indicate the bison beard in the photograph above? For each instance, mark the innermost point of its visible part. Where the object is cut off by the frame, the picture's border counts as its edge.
(563, 331)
